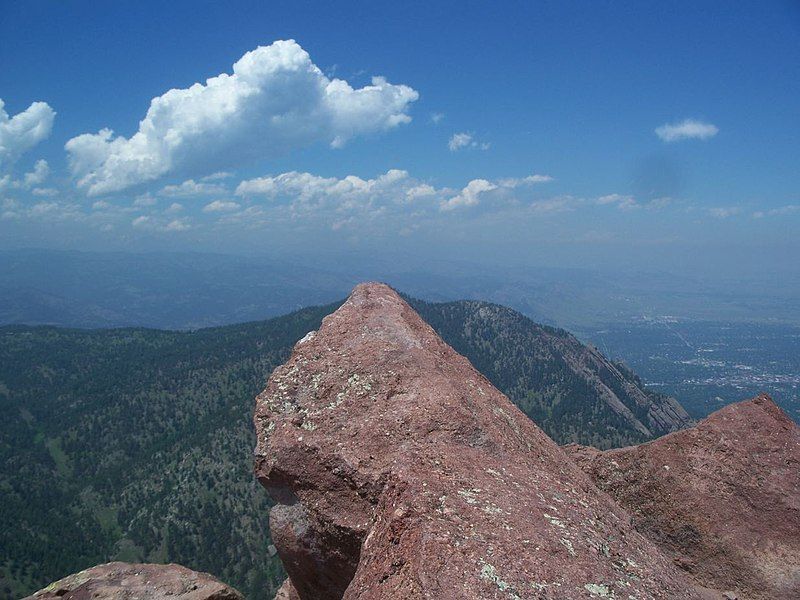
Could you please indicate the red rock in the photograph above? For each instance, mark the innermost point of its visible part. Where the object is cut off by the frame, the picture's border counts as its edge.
(287, 592)
(722, 498)
(398, 471)
(118, 581)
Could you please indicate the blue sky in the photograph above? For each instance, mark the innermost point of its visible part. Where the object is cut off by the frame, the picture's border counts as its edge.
(523, 132)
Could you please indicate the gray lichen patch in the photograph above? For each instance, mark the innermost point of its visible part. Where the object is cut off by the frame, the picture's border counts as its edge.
(555, 521)
(599, 590)
(568, 545)
(489, 573)
(357, 385)
(469, 495)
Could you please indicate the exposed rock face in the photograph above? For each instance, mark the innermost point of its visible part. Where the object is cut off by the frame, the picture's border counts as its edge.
(722, 498)
(126, 581)
(572, 391)
(400, 472)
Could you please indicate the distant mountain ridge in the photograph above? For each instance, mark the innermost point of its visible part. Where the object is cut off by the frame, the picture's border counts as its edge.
(89, 412)
(189, 290)
(569, 389)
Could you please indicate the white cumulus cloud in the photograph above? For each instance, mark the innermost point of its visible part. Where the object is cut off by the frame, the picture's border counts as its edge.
(41, 170)
(689, 129)
(276, 99)
(306, 189)
(395, 190)
(23, 131)
(469, 195)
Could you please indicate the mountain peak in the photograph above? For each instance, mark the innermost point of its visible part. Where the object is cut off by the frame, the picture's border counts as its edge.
(398, 470)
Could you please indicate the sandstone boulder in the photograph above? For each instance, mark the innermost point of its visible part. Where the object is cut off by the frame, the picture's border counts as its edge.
(399, 471)
(127, 581)
(721, 498)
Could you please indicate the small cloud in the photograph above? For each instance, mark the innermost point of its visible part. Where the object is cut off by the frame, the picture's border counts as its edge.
(554, 205)
(36, 177)
(9, 203)
(620, 201)
(437, 118)
(177, 225)
(513, 182)
(689, 129)
(220, 206)
(219, 175)
(724, 212)
(420, 191)
(43, 208)
(145, 200)
(777, 212)
(152, 224)
(23, 131)
(190, 187)
(44, 192)
(459, 141)
(100, 205)
(469, 196)
(659, 203)
(173, 208)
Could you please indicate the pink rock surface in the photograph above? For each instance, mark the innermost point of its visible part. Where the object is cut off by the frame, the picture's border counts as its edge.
(721, 498)
(127, 581)
(400, 472)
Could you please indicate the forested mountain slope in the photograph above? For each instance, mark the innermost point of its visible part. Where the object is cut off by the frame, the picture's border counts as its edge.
(136, 444)
(571, 390)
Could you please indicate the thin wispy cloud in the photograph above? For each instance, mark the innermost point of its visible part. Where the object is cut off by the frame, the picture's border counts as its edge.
(221, 206)
(724, 212)
(688, 129)
(622, 202)
(789, 209)
(153, 224)
(460, 141)
(190, 187)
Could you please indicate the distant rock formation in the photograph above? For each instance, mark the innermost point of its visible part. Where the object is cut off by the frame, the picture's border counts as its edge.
(722, 498)
(126, 581)
(399, 471)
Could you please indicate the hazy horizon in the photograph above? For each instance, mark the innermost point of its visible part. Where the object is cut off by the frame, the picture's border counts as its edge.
(621, 138)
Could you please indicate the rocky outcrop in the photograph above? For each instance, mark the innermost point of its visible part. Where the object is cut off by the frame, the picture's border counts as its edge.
(399, 471)
(572, 391)
(123, 581)
(722, 498)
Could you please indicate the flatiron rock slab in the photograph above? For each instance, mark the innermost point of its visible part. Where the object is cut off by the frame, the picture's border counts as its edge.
(399, 471)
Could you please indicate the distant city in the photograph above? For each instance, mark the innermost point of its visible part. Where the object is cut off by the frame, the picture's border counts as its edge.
(706, 364)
